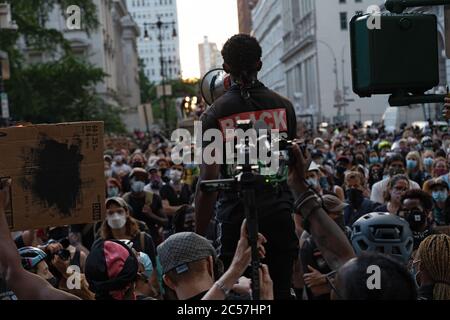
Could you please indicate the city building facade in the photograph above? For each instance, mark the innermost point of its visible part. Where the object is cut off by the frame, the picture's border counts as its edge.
(267, 28)
(148, 11)
(209, 56)
(245, 8)
(111, 47)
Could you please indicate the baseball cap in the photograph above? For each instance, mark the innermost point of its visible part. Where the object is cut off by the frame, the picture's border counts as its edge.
(110, 266)
(183, 248)
(314, 166)
(138, 171)
(117, 200)
(333, 203)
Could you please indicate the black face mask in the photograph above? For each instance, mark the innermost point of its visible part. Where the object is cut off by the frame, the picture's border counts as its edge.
(376, 175)
(137, 164)
(341, 170)
(396, 171)
(355, 196)
(416, 219)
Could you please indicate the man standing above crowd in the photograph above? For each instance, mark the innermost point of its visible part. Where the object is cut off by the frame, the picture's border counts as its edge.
(248, 98)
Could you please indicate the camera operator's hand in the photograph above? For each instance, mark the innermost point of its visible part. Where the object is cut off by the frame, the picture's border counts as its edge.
(52, 248)
(61, 265)
(243, 287)
(297, 171)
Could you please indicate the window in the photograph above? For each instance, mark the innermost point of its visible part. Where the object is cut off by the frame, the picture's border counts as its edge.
(343, 20)
(342, 1)
(357, 1)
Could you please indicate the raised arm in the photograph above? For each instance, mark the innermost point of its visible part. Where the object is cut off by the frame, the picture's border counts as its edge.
(204, 202)
(330, 239)
(24, 284)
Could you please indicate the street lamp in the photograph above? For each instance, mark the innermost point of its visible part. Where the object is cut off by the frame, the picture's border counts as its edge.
(161, 26)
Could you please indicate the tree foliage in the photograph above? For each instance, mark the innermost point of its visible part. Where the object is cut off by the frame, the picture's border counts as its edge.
(63, 88)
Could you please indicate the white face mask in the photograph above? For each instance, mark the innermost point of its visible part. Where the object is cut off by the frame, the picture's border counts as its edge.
(137, 186)
(116, 220)
(175, 175)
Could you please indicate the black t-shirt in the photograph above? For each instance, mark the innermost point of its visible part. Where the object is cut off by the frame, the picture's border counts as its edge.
(137, 204)
(278, 113)
(168, 193)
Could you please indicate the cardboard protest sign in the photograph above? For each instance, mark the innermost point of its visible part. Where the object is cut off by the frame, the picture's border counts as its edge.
(56, 172)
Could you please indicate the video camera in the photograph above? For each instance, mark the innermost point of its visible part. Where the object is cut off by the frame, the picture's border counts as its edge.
(63, 253)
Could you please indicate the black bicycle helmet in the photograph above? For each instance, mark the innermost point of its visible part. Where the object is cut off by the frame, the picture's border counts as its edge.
(383, 233)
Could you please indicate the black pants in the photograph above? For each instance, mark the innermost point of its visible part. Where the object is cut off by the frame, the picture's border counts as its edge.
(281, 249)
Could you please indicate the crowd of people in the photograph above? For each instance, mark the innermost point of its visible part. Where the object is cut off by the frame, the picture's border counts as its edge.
(386, 192)
(361, 213)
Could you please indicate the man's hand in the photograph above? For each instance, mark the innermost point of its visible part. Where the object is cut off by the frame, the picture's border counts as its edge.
(243, 254)
(297, 171)
(266, 283)
(243, 287)
(314, 278)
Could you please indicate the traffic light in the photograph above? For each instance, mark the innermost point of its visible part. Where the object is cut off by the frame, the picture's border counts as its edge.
(400, 56)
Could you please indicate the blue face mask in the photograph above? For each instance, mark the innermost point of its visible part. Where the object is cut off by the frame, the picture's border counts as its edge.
(411, 164)
(324, 183)
(428, 162)
(374, 160)
(113, 192)
(313, 182)
(382, 159)
(440, 196)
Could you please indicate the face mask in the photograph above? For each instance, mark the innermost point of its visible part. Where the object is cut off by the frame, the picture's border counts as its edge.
(411, 164)
(108, 173)
(428, 162)
(440, 172)
(137, 164)
(374, 160)
(382, 159)
(137, 186)
(396, 171)
(416, 219)
(118, 159)
(53, 282)
(323, 181)
(113, 192)
(313, 182)
(440, 196)
(355, 196)
(116, 221)
(175, 175)
(341, 170)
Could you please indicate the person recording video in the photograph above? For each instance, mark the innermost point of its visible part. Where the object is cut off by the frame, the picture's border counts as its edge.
(248, 98)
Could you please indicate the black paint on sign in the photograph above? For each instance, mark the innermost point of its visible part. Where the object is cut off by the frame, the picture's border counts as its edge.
(57, 180)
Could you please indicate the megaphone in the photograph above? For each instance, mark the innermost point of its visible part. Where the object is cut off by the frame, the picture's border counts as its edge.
(214, 85)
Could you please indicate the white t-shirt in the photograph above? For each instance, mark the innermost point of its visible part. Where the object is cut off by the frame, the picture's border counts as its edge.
(377, 194)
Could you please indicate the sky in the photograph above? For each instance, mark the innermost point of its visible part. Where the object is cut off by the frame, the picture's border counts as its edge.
(217, 19)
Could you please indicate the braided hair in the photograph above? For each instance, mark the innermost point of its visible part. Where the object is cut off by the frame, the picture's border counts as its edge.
(434, 254)
(242, 53)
